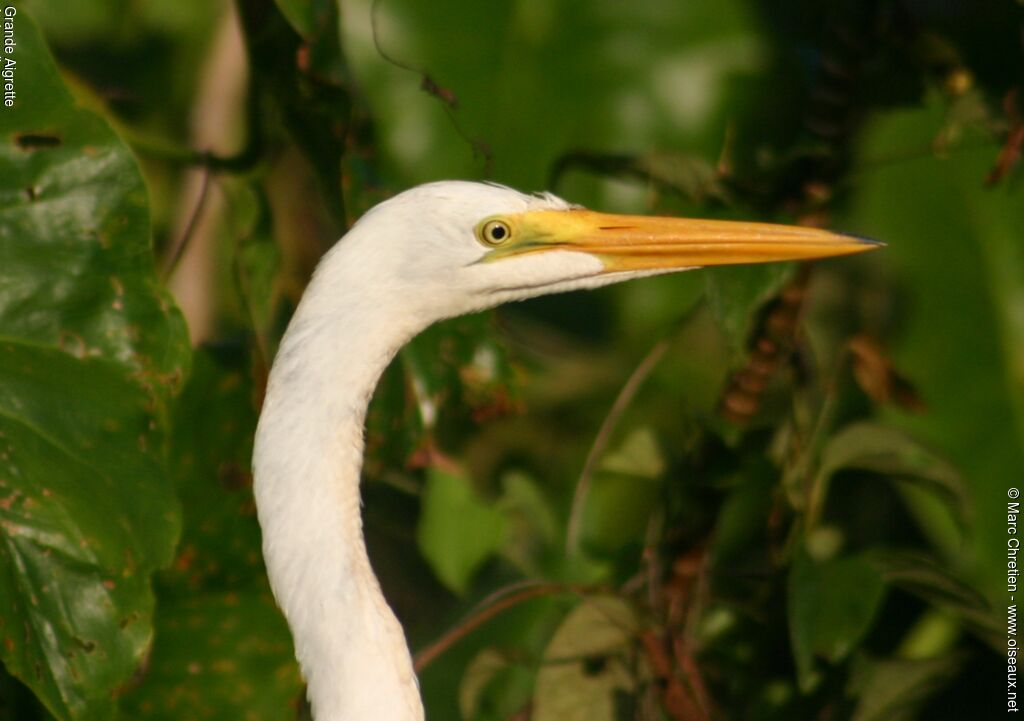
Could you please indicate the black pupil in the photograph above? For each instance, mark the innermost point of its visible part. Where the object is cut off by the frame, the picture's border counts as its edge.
(497, 232)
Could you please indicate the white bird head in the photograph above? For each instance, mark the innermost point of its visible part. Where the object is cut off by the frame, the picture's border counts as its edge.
(454, 247)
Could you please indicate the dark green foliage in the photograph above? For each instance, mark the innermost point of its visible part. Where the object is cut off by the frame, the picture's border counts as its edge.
(220, 642)
(91, 352)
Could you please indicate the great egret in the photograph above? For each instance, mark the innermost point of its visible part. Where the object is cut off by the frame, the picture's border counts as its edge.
(433, 252)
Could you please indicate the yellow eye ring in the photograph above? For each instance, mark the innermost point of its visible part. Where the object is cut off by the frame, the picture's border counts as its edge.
(495, 232)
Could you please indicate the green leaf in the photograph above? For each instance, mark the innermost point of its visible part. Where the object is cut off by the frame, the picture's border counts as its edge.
(831, 605)
(91, 351)
(639, 455)
(457, 531)
(941, 586)
(895, 689)
(624, 492)
(889, 453)
(219, 656)
(589, 664)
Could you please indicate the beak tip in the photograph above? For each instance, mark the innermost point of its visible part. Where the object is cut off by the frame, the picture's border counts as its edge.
(864, 240)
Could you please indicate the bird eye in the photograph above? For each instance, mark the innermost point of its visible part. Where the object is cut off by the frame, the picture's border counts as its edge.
(495, 232)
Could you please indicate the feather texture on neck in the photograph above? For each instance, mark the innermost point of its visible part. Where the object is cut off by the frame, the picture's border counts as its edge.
(307, 461)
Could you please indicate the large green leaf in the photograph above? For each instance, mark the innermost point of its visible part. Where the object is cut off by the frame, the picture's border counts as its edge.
(77, 269)
(85, 517)
(90, 351)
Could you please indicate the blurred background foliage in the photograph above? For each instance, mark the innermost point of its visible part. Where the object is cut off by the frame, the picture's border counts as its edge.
(748, 493)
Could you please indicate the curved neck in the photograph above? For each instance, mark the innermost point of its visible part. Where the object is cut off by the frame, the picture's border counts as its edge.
(306, 462)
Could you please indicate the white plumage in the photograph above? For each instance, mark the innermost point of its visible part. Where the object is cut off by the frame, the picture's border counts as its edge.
(419, 257)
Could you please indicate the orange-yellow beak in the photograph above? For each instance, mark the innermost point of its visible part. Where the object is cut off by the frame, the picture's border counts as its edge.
(633, 242)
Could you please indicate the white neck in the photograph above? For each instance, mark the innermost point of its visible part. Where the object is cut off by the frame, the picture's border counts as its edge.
(306, 462)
